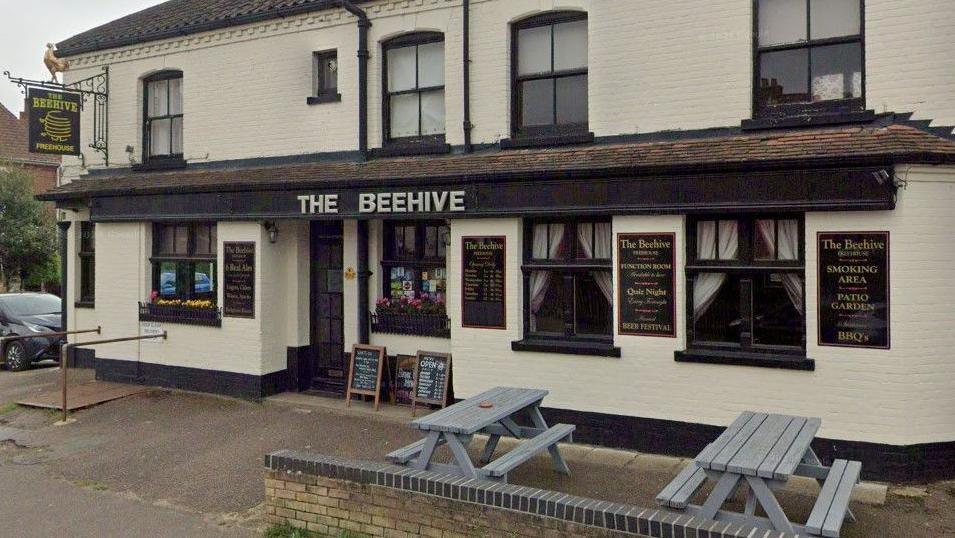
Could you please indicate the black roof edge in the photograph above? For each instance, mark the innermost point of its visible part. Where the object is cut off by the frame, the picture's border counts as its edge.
(834, 163)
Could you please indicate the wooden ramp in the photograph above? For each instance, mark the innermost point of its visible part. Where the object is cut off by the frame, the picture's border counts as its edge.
(81, 395)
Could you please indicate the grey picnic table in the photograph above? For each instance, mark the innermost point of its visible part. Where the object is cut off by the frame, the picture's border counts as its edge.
(760, 452)
(492, 412)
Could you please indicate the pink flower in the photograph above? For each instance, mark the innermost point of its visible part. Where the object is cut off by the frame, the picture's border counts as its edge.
(153, 295)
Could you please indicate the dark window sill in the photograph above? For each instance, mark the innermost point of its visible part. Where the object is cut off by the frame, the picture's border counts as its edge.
(566, 347)
(160, 164)
(326, 98)
(742, 358)
(84, 304)
(519, 142)
(411, 148)
(807, 120)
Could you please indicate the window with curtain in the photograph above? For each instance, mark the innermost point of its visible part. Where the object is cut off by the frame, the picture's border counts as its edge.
(413, 79)
(87, 255)
(568, 279)
(550, 74)
(184, 261)
(162, 118)
(809, 54)
(745, 278)
(413, 260)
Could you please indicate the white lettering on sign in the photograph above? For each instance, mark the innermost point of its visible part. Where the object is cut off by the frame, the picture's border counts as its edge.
(388, 202)
(318, 204)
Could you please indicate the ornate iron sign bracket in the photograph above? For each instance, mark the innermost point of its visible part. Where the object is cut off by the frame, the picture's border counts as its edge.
(96, 88)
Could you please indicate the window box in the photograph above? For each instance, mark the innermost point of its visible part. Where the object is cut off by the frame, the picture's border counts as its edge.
(435, 325)
(185, 315)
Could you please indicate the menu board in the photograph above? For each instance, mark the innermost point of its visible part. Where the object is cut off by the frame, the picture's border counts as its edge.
(482, 282)
(404, 379)
(238, 280)
(646, 284)
(431, 378)
(364, 374)
(854, 289)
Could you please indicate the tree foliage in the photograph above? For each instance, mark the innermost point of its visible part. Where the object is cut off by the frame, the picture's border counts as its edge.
(27, 228)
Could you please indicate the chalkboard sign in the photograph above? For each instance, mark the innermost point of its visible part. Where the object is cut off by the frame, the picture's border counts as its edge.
(854, 289)
(647, 306)
(482, 282)
(364, 373)
(431, 379)
(238, 280)
(403, 391)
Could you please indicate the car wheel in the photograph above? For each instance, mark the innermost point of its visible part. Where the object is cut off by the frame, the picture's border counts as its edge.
(16, 357)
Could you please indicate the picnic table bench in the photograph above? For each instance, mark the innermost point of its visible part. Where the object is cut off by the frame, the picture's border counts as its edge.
(492, 412)
(760, 452)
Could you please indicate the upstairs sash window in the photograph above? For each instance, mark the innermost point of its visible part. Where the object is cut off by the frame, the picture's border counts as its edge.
(809, 55)
(550, 74)
(162, 121)
(414, 87)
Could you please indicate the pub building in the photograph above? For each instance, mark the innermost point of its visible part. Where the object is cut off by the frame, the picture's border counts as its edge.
(663, 216)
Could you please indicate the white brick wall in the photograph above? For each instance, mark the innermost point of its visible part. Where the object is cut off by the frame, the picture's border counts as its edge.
(902, 396)
(654, 65)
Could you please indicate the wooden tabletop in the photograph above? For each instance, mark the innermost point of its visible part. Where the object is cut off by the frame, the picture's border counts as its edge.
(468, 416)
(760, 444)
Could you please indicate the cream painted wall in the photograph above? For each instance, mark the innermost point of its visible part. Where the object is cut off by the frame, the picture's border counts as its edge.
(654, 65)
(902, 396)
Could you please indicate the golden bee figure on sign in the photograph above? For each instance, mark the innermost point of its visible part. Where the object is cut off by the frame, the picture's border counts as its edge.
(54, 64)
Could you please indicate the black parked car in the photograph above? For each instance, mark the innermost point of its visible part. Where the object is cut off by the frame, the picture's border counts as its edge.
(25, 314)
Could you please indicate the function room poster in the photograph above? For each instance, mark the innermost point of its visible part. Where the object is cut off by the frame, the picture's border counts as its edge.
(647, 283)
(854, 289)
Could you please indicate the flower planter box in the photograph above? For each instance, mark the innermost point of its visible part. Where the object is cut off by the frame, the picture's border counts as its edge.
(435, 325)
(185, 315)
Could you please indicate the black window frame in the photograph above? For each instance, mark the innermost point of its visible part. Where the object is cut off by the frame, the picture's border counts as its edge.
(569, 266)
(189, 259)
(171, 159)
(518, 131)
(419, 262)
(745, 265)
(86, 252)
(830, 107)
(436, 141)
(321, 93)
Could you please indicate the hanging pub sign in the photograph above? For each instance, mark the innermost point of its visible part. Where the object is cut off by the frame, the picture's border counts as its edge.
(482, 282)
(238, 280)
(364, 373)
(647, 284)
(54, 121)
(854, 289)
(432, 374)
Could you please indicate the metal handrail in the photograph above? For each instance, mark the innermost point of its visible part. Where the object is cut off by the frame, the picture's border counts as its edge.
(6, 339)
(64, 349)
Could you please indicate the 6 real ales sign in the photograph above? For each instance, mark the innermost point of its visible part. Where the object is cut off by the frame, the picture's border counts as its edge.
(854, 289)
(647, 283)
(54, 122)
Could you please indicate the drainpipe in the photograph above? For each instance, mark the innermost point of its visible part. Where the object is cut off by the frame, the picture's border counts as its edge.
(363, 274)
(64, 226)
(466, 22)
(363, 25)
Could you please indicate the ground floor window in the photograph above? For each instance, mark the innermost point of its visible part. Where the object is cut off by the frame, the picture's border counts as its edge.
(413, 262)
(184, 262)
(568, 279)
(746, 283)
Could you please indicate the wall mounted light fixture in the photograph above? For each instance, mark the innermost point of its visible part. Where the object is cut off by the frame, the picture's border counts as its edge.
(272, 230)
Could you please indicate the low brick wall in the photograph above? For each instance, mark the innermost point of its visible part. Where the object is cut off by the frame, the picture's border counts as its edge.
(329, 495)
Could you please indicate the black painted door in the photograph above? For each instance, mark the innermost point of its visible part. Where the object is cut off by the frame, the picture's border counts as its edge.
(327, 335)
